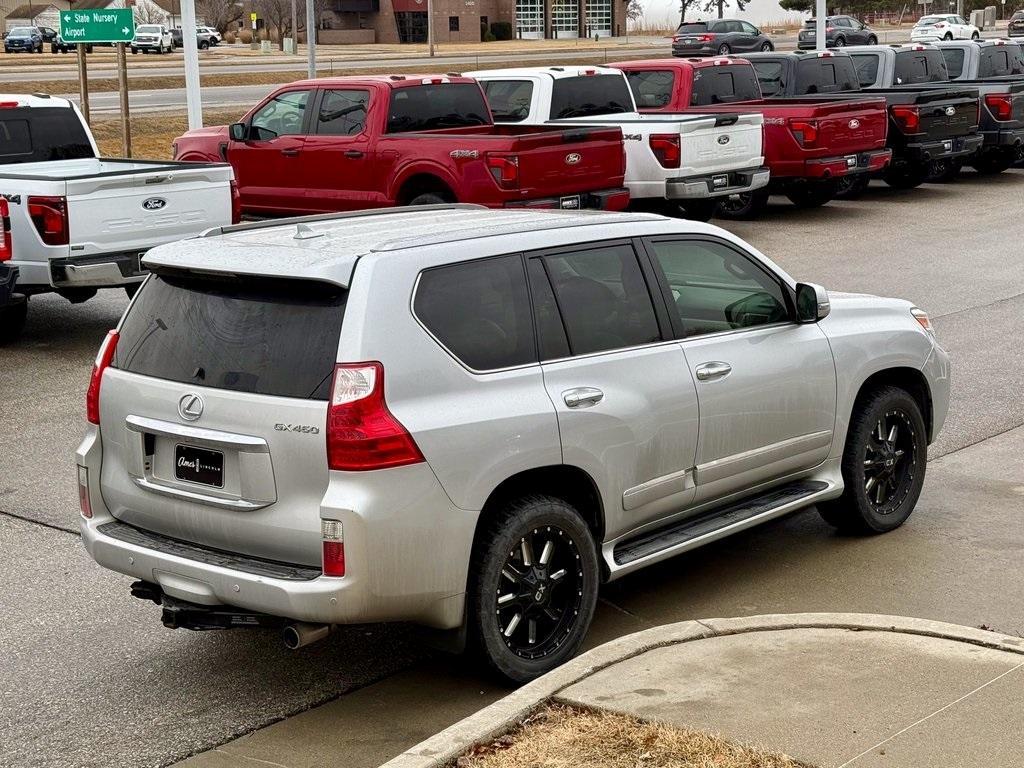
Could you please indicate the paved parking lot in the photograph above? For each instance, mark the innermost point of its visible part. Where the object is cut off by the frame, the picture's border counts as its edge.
(90, 678)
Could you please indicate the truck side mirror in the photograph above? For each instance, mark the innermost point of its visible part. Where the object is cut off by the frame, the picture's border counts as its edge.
(238, 132)
(812, 303)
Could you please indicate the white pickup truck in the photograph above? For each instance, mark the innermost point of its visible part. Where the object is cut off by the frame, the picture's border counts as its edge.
(79, 222)
(672, 161)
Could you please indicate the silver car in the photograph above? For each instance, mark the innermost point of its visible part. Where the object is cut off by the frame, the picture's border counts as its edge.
(470, 419)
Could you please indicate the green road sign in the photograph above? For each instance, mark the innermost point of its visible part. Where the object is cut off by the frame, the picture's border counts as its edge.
(103, 25)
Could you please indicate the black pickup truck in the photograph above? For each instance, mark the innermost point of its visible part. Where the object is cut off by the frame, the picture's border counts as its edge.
(13, 306)
(928, 126)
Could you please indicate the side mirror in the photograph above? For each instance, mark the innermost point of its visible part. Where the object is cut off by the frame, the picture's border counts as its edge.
(812, 303)
(238, 132)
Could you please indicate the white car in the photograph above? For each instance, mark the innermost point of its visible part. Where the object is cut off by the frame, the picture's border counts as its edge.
(943, 27)
(212, 33)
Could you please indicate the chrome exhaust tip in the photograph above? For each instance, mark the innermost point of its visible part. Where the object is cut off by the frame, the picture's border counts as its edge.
(300, 634)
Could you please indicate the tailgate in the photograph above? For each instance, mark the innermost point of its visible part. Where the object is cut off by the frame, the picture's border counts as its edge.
(570, 160)
(135, 211)
(945, 115)
(721, 143)
(850, 127)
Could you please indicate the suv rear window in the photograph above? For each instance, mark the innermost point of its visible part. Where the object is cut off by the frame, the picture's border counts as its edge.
(445, 105)
(914, 67)
(590, 95)
(696, 27)
(35, 134)
(260, 335)
(724, 85)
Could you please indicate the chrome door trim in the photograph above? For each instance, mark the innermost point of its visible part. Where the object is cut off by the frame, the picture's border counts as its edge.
(658, 488)
(737, 464)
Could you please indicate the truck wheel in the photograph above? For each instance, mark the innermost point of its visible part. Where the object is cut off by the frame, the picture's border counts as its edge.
(941, 171)
(428, 198)
(883, 463)
(852, 186)
(533, 587)
(747, 205)
(203, 45)
(812, 195)
(699, 210)
(134, 51)
(904, 176)
(12, 320)
(990, 163)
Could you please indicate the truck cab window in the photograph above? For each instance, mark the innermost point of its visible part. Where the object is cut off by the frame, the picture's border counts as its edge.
(281, 116)
(651, 87)
(724, 85)
(342, 113)
(509, 99)
(867, 69)
(954, 61)
(769, 77)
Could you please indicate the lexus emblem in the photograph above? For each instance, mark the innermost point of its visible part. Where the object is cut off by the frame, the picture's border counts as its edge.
(572, 158)
(854, 125)
(723, 140)
(153, 203)
(190, 407)
(950, 111)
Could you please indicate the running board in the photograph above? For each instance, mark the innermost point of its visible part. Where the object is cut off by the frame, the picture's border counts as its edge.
(717, 522)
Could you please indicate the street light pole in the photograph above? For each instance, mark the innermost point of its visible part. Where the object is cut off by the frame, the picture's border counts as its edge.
(193, 98)
(430, 26)
(295, 28)
(819, 26)
(311, 36)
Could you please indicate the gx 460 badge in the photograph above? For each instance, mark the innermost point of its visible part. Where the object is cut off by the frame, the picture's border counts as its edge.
(303, 429)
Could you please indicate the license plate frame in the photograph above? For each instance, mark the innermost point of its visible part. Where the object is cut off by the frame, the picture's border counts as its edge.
(720, 181)
(198, 466)
(947, 145)
(570, 203)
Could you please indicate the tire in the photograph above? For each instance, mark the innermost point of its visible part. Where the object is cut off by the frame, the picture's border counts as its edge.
(872, 40)
(767, 47)
(975, 36)
(203, 45)
(160, 50)
(852, 186)
(55, 49)
(879, 496)
(724, 49)
(947, 37)
(12, 321)
(991, 163)
(699, 210)
(839, 43)
(746, 206)
(517, 536)
(943, 171)
(813, 195)
(134, 51)
(904, 176)
(427, 198)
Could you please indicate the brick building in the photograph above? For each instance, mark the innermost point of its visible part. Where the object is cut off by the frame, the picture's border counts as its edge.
(460, 21)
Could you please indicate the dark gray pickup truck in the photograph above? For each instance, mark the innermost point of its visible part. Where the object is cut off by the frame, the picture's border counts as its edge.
(928, 126)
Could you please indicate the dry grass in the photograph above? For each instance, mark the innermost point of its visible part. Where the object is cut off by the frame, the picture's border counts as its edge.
(152, 134)
(564, 737)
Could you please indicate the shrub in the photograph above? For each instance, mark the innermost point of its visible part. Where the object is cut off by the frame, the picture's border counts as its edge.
(502, 30)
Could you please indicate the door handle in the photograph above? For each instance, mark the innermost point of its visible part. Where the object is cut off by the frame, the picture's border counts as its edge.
(353, 153)
(290, 152)
(712, 371)
(582, 397)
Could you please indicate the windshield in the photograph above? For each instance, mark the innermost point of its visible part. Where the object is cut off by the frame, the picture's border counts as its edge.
(22, 32)
(441, 105)
(148, 29)
(589, 96)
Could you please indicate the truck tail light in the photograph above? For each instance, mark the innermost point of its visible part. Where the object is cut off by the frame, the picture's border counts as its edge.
(332, 534)
(50, 217)
(1000, 105)
(103, 358)
(908, 118)
(362, 434)
(804, 131)
(5, 232)
(236, 203)
(84, 502)
(504, 169)
(666, 148)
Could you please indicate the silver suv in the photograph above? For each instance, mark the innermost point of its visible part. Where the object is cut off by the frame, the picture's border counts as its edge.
(470, 419)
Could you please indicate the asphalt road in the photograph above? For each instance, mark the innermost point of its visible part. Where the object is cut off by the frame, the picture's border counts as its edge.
(90, 678)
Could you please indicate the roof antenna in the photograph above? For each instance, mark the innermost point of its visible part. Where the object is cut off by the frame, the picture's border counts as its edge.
(305, 232)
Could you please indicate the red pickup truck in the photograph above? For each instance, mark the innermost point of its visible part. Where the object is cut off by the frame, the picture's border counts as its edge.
(347, 143)
(810, 147)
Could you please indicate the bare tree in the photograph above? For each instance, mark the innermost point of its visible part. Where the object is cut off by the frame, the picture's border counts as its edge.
(219, 14)
(147, 12)
(277, 15)
(634, 10)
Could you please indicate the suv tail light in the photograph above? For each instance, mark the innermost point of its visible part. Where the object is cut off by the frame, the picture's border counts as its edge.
(909, 118)
(103, 358)
(362, 434)
(1000, 105)
(50, 217)
(333, 537)
(804, 131)
(705, 38)
(666, 148)
(236, 203)
(505, 170)
(5, 232)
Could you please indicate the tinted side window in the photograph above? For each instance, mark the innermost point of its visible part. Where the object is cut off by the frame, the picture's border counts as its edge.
(34, 134)
(652, 88)
(826, 75)
(715, 288)
(509, 99)
(342, 113)
(995, 62)
(590, 95)
(551, 338)
(480, 311)
(954, 61)
(603, 298)
(444, 105)
(867, 69)
(769, 77)
(281, 116)
(920, 67)
(750, 29)
(723, 85)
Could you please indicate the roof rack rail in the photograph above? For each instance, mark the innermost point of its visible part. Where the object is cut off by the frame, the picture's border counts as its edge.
(294, 220)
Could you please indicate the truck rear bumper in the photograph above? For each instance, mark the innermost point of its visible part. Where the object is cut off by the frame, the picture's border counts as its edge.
(861, 162)
(717, 184)
(8, 279)
(1007, 137)
(101, 271)
(958, 146)
(603, 200)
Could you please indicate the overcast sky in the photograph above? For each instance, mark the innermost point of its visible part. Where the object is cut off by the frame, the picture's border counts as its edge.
(666, 12)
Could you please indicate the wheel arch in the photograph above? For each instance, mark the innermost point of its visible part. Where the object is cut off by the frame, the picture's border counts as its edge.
(910, 380)
(421, 181)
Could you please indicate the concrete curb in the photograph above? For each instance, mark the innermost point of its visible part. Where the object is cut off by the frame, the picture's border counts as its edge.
(503, 715)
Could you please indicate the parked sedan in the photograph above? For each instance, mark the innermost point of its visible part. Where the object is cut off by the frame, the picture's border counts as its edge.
(840, 31)
(943, 27)
(718, 37)
(1016, 26)
(206, 37)
(23, 39)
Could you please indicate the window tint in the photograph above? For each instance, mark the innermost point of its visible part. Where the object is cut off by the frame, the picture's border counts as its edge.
(842, 21)
(914, 67)
(750, 29)
(34, 134)
(722, 85)
(551, 338)
(715, 288)
(814, 75)
(509, 99)
(867, 69)
(954, 61)
(694, 28)
(995, 62)
(445, 105)
(342, 113)
(603, 299)
(652, 88)
(281, 116)
(769, 77)
(590, 95)
(480, 311)
(267, 336)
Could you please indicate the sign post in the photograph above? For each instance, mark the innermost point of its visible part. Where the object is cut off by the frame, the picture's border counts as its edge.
(122, 86)
(311, 21)
(83, 83)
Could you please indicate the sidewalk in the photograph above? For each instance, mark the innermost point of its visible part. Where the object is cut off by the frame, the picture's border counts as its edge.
(832, 690)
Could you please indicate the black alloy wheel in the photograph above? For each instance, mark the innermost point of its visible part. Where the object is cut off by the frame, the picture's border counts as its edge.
(890, 461)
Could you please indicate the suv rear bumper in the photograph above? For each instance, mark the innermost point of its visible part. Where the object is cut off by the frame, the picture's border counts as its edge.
(958, 146)
(717, 184)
